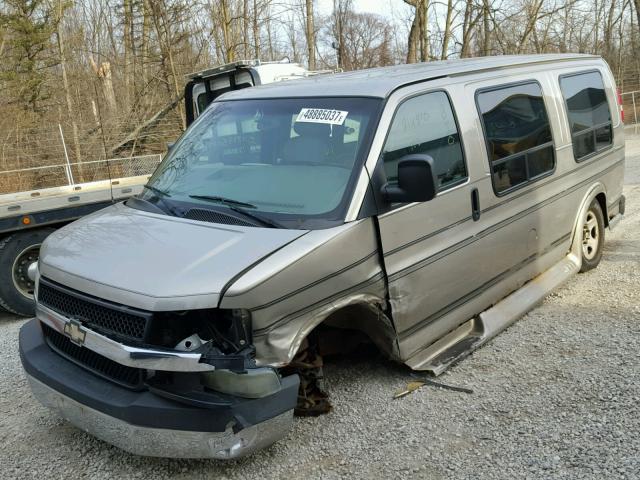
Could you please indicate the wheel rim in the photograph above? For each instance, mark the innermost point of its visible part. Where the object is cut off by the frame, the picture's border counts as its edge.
(21, 279)
(590, 236)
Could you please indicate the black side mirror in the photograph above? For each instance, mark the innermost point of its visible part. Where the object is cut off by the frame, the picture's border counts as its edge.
(170, 146)
(416, 180)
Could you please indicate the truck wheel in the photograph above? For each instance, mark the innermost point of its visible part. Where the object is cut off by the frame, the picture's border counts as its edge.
(17, 252)
(592, 237)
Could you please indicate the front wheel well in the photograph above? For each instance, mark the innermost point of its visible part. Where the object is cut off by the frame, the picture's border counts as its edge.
(360, 319)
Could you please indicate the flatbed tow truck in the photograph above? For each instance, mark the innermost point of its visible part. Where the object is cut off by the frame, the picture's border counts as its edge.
(28, 217)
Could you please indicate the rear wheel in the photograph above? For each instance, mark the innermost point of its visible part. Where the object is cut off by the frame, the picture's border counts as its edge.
(592, 237)
(17, 252)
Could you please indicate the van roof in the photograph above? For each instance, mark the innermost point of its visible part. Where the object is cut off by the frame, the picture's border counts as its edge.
(382, 81)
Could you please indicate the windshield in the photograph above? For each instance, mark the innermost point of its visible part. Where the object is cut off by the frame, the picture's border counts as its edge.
(289, 159)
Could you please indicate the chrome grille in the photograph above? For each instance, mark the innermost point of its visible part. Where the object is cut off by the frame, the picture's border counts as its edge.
(98, 315)
(132, 378)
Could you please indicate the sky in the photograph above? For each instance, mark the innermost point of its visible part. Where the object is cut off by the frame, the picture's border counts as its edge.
(381, 7)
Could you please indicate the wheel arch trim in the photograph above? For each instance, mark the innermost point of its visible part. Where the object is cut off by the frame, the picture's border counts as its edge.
(595, 190)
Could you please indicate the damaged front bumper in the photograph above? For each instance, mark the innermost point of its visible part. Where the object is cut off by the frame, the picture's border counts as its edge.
(155, 421)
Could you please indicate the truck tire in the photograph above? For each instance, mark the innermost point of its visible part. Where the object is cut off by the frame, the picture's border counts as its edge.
(17, 252)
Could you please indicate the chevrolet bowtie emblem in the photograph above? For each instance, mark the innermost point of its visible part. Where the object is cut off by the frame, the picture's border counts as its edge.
(73, 329)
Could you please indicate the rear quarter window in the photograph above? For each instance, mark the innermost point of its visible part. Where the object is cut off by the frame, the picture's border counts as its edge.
(517, 134)
(588, 113)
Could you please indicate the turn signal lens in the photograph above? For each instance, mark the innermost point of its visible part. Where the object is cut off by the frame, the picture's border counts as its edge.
(255, 383)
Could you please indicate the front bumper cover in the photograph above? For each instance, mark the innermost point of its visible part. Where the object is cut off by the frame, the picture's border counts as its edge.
(144, 423)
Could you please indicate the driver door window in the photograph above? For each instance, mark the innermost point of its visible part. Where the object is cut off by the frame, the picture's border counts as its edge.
(426, 124)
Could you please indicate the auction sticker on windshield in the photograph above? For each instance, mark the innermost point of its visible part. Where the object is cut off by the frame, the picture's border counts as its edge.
(322, 115)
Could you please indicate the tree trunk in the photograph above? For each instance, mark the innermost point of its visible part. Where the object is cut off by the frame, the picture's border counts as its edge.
(146, 28)
(256, 31)
(229, 53)
(104, 74)
(486, 45)
(533, 15)
(467, 29)
(65, 85)
(447, 30)
(245, 29)
(596, 9)
(412, 47)
(270, 40)
(311, 35)
(3, 41)
(165, 40)
(418, 43)
(608, 32)
(128, 41)
(422, 9)
(338, 12)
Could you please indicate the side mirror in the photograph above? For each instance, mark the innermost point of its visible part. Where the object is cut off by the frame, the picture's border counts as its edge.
(416, 181)
(170, 146)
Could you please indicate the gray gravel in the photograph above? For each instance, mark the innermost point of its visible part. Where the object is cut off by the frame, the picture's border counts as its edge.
(555, 396)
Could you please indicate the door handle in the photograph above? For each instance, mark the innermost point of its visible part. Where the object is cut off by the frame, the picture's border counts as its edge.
(475, 205)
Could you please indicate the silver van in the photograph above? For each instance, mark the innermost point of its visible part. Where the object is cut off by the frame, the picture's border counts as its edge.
(426, 206)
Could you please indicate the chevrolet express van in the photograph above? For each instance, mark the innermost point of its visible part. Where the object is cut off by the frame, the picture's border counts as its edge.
(428, 206)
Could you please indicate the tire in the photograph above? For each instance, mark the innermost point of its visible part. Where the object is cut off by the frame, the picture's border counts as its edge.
(17, 251)
(592, 237)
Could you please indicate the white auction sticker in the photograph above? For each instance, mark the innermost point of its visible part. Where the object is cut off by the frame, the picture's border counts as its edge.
(322, 115)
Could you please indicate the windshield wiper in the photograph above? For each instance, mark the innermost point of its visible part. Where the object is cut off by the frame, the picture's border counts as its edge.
(236, 205)
(161, 194)
(259, 218)
(228, 201)
(156, 190)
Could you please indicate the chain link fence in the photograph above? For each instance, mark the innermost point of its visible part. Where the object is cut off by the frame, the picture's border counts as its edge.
(34, 158)
(57, 175)
(631, 105)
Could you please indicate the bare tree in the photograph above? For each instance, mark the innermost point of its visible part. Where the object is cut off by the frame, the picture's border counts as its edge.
(418, 43)
(447, 31)
(60, 8)
(310, 34)
(366, 39)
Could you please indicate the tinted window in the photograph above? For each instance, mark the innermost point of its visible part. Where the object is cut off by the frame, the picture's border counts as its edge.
(517, 133)
(426, 124)
(588, 113)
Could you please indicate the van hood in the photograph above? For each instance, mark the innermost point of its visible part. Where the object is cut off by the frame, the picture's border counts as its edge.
(155, 262)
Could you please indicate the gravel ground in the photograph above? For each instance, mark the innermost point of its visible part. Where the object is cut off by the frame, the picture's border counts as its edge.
(555, 396)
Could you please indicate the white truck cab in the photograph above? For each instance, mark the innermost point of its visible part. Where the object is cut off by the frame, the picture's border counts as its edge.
(205, 86)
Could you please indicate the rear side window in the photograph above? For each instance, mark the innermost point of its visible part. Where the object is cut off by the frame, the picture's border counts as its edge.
(426, 124)
(517, 133)
(588, 113)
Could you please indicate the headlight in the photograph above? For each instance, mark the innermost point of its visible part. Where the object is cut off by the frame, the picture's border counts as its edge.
(256, 383)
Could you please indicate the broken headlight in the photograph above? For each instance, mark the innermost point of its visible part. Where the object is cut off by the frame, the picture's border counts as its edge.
(254, 383)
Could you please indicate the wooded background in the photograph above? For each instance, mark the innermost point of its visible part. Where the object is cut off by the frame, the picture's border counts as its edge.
(93, 72)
